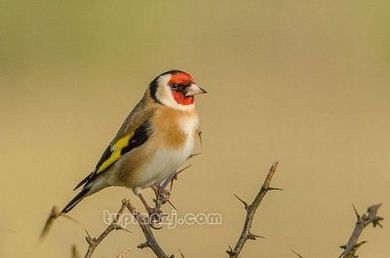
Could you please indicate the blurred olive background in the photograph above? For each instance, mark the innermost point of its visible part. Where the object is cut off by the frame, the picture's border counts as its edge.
(302, 82)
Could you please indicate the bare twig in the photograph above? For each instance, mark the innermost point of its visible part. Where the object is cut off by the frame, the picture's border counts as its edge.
(297, 254)
(250, 213)
(54, 214)
(362, 221)
(94, 242)
(143, 222)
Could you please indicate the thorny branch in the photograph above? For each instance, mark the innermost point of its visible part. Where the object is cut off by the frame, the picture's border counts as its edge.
(94, 242)
(250, 213)
(362, 221)
(143, 222)
(349, 249)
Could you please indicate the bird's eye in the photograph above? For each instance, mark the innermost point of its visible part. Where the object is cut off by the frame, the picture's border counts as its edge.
(175, 86)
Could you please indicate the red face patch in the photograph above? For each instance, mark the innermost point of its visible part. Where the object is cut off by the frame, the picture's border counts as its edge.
(181, 78)
(181, 99)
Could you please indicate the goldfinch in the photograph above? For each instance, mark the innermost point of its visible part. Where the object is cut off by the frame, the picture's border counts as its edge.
(154, 140)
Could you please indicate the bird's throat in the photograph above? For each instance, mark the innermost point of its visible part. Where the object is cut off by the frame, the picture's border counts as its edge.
(181, 99)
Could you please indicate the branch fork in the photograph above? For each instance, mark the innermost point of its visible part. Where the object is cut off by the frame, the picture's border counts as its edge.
(363, 221)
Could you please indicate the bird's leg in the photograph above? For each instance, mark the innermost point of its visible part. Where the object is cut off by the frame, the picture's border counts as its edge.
(162, 194)
(154, 213)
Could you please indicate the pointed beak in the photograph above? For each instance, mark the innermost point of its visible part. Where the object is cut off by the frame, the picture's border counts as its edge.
(194, 90)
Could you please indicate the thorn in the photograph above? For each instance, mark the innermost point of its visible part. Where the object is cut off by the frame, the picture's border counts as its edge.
(172, 204)
(54, 214)
(274, 188)
(254, 237)
(123, 229)
(357, 214)
(89, 240)
(297, 254)
(117, 227)
(230, 252)
(181, 170)
(356, 246)
(88, 237)
(143, 245)
(193, 155)
(242, 201)
(361, 243)
(171, 185)
(376, 222)
(200, 137)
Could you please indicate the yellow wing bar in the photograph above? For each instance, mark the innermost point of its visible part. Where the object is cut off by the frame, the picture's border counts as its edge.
(115, 152)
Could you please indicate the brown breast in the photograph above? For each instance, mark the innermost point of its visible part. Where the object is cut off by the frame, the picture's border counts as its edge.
(169, 124)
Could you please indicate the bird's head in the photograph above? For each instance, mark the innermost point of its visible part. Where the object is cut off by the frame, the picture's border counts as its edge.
(175, 89)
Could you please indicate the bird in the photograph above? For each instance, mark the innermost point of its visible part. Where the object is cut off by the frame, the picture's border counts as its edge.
(154, 140)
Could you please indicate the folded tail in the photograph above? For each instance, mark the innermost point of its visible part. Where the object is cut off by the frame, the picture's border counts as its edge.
(75, 200)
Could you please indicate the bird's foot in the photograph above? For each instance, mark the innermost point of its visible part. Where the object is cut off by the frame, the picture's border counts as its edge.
(155, 217)
(155, 214)
(162, 195)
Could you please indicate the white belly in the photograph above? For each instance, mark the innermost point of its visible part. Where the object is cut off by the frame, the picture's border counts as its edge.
(163, 164)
